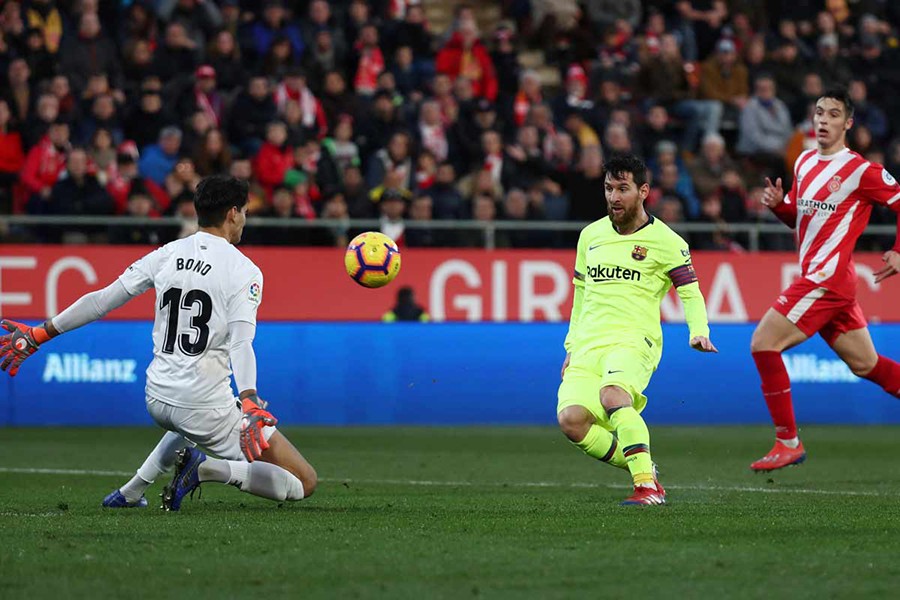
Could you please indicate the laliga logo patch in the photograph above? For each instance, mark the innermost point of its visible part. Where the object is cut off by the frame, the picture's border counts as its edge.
(639, 253)
(835, 184)
(887, 177)
(255, 292)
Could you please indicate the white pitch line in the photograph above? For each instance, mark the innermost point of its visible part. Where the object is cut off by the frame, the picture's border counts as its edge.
(520, 484)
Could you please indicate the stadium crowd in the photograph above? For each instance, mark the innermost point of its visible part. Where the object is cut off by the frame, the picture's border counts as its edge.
(359, 109)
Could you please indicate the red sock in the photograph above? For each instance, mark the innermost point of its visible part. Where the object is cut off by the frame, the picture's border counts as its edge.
(776, 388)
(886, 374)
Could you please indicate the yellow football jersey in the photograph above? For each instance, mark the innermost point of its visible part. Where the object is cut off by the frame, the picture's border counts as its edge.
(620, 281)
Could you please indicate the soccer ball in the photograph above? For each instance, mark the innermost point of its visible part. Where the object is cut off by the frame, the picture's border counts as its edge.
(372, 259)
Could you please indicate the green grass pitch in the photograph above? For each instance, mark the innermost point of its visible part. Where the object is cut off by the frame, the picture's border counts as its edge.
(461, 513)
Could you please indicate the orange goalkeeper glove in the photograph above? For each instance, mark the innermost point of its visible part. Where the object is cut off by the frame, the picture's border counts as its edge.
(253, 442)
(21, 342)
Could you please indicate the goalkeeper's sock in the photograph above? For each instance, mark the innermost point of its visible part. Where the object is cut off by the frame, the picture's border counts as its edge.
(635, 441)
(776, 388)
(160, 461)
(886, 374)
(602, 445)
(258, 478)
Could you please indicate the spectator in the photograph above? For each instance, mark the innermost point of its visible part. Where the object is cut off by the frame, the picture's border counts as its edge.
(406, 308)
(574, 97)
(139, 204)
(618, 52)
(394, 159)
(320, 58)
(669, 210)
(274, 25)
(146, 120)
(177, 55)
(158, 160)
(137, 64)
(203, 97)
(656, 129)
(810, 91)
(256, 109)
(765, 127)
(43, 16)
(785, 66)
(334, 208)
(585, 186)
(724, 78)
(126, 180)
(666, 187)
(43, 165)
(279, 58)
(484, 211)
(275, 157)
(200, 18)
(293, 87)
(529, 95)
(78, 192)
(421, 210)
(834, 68)
(718, 239)
(12, 157)
(366, 61)
(18, 94)
(337, 100)
(414, 33)
(506, 63)
(432, 132)
(662, 79)
(466, 131)
(359, 203)
(866, 114)
(103, 115)
(320, 17)
(213, 156)
(41, 62)
(224, 57)
(465, 55)
(392, 206)
(89, 52)
(617, 140)
(102, 156)
(180, 185)
(46, 112)
(707, 169)
(447, 202)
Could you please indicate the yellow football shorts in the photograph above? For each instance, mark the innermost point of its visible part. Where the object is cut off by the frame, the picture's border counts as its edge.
(590, 370)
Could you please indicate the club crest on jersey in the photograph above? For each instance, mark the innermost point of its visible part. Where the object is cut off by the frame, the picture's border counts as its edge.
(639, 253)
(835, 184)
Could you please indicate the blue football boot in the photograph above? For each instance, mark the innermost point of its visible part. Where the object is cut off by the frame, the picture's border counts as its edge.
(186, 479)
(117, 500)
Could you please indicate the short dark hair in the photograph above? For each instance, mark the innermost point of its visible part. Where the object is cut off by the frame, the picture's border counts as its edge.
(619, 165)
(841, 95)
(216, 195)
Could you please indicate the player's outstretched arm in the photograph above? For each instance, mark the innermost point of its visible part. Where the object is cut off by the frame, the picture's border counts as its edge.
(243, 365)
(22, 341)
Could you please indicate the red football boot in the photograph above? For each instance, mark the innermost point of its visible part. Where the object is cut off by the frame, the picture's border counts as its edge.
(645, 495)
(779, 456)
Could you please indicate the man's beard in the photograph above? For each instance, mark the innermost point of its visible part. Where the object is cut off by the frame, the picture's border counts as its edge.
(628, 216)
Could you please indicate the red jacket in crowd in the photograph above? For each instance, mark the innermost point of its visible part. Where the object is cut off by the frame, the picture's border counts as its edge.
(475, 64)
(42, 166)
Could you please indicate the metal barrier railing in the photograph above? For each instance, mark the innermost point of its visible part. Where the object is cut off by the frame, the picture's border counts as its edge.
(752, 232)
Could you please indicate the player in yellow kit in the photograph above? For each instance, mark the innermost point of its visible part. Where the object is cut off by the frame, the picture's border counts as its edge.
(625, 265)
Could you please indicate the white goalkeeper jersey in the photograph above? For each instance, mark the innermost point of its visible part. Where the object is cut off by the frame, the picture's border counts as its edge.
(202, 283)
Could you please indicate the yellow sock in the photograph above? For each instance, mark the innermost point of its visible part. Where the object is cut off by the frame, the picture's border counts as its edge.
(602, 445)
(635, 441)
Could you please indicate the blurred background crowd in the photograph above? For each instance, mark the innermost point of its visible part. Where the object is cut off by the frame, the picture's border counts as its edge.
(426, 110)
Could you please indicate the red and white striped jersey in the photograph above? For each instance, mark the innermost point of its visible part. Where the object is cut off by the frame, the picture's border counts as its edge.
(829, 203)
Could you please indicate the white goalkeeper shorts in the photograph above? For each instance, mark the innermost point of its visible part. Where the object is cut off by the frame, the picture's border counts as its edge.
(217, 431)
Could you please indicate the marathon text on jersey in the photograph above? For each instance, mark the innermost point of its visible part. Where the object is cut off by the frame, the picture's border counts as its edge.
(808, 205)
(192, 264)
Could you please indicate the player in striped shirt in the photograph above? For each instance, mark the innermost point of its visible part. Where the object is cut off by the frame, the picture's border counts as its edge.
(829, 203)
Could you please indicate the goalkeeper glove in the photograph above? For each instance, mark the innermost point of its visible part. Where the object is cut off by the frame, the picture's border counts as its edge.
(253, 442)
(21, 342)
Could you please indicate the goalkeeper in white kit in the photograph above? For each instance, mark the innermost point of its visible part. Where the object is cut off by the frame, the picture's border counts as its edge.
(207, 296)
